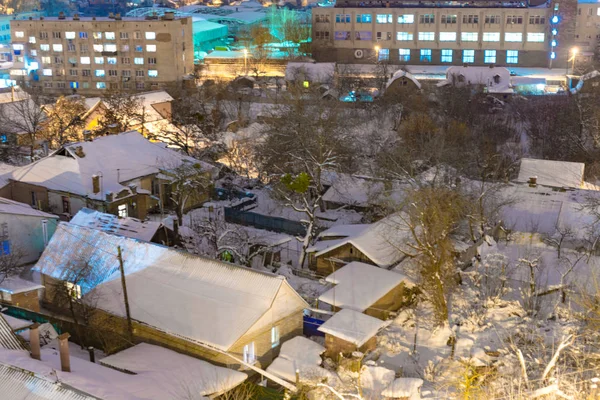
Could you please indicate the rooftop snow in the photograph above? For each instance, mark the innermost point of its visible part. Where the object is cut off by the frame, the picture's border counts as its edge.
(129, 227)
(314, 72)
(199, 377)
(16, 324)
(479, 76)
(201, 299)
(403, 74)
(14, 207)
(363, 192)
(404, 388)
(298, 353)
(14, 285)
(344, 230)
(146, 100)
(352, 326)
(552, 173)
(358, 286)
(8, 339)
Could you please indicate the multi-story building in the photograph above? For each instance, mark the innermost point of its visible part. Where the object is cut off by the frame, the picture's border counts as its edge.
(587, 31)
(479, 32)
(90, 55)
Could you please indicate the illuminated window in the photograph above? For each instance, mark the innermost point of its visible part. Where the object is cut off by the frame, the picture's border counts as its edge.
(491, 36)
(150, 35)
(425, 55)
(32, 39)
(57, 47)
(404, 36)
(70, 35)
(275, 336)
(139, 48)
(535, 37)
(83, 35)
(74, 290)
(111, 60)
(98, 48)
(513, 37)
(512, 56)
(98, 60)
(446, 55)
(384, 18)
(249, 354)
(122, 211)
(363, 18)
(97, 35)
(447, 36)
(406, 19)
(152, 73)
(404, 55)
(47, 72)
(109, 35)
(138, 60)
(100, 85)
(427, 36)
(46, 60)
(469, 36)
(468, 56)
(44, 47)
(489, 56)
(33, 53)
(99, 72)
(18, 47)
(84, 60)
(110, 47)
(305, 84)
(19, 34)
(151, 48)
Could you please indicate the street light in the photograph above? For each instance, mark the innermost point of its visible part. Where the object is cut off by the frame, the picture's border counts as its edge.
(246, 61)
(574, 50)
(377, 53)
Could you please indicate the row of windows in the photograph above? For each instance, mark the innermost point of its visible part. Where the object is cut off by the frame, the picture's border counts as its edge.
(468, 56)
(98, 60)
(152, 73)
(84, 35)
(84, 48)
(430, 36)
(430, 19)
(590, 11)
(99, 85)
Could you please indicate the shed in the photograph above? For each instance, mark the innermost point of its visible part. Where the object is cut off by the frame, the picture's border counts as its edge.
(206, 34)
(348, 331)
(21, 293)
(310, 73)
(559, 174)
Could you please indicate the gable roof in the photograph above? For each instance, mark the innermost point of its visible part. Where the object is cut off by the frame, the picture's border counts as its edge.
(129, 227)
(352, 326)
(15, 208)
(8, 339)
(381, 242)
(116, 158)
(552, 173)
(146, 100)
(363, 191)
(196, 298)
(358, 286)
(314, 72)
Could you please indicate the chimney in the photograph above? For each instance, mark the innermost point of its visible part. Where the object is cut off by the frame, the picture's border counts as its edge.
(118, 16)
(111, 15)
(61, 15)
(532, 181)
(65, 361)
(34, 341)
(96, 184)
(75, 17)
(109, 196)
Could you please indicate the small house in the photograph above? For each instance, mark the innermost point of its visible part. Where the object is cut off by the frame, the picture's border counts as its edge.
(492, 79)
(18, 292)
(368, 289)
(222, 312)
(349, 331)
(402, 82)
(307, 75)
(555, 174)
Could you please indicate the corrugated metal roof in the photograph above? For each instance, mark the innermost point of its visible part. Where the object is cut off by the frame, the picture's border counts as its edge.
(19, 384)
(8, 339)
(199, 298)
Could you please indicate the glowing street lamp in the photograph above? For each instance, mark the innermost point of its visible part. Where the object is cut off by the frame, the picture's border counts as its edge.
(574, 50)
(246, 61)
(377, 48)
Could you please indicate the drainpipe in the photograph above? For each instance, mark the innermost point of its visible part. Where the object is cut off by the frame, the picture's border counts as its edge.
(45, 232)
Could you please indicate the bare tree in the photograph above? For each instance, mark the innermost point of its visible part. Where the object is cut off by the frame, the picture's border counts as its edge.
(23, 116)
(122, 111)
(10, 264)
(63, 123)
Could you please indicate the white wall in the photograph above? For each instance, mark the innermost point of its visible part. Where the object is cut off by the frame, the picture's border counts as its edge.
(56, 205)
(25, 234)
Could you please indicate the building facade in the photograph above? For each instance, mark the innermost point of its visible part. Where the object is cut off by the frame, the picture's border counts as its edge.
(587, 33)
(515, 34)
(91, 55)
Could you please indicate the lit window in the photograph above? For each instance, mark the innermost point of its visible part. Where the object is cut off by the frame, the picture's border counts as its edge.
(100, 85)
(74, 85)
(513, 37)
(363, 18)
(406, 19)
(74, 290)
(275, 336)
(109, 35)
(99, 72)
(19, 34)
(425, 55)
(98, 60)
(83, 35)
(97, 35)
(535, 37)
(468, 56)
(98, 48)
(18, 72)
(383, 54)
(446, 55)
(70, 35)
(57, 47)
(152, 73)
(47, 72)
(512, 56)
(384, 18)
(138, 60)
(18, 47)
(33, 53)
(139, 48)
(46, 60)
(598, 11)
(110, 47)
(469, 36)
(404, 36)
(44, 47)
(32, 39)
(489, 56)
(427, 36)
(404, 55)
(150, 35)
(249, 354)
(447, 36)
(491, 36)
(151, 48)
(111, 60)
(84, 60)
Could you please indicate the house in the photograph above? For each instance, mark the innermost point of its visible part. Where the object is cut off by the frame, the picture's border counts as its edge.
(310, 74)
(19, 116)
(24, 231)
(123, 174)
(367, 289)
(349, 331)
(218, 311)
(401, 82)
(493, 79)
(19, 292)
(556, 174)
(147, 231)
(380, 244)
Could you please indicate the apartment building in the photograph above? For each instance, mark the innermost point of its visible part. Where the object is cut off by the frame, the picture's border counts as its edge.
(587, 32)
(477, 32)
(91, 55)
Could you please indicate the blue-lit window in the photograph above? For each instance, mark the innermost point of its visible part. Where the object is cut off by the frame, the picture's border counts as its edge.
(3, 139)
(139, 48)
(468, 56)
(406, 19)
(363, 18)
(6, 247)
(446, 55)
(512, 56)
(489, 56)
(425, 55)
(404, 55)
(384, 18)
(384, 55)
(83, 35)
(100, 85)
(74, 85)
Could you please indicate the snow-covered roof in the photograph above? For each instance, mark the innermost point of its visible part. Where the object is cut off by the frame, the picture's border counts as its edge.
(109, 223)
(313, 72)
(352, 326)
(402, 388)
(146, 100)
(14, 207)
(200, 299)
(199, 376)
(344, 230)
(14, 285)
(298, 353)
(8, 339)
(363, 192)
(17, 324)
(402, 74)
(358, 286)
(552, 173)
(380, 242)
(116, 158)
(487, 76)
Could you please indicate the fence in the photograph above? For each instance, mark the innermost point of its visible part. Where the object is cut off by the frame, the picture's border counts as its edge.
(260, 221)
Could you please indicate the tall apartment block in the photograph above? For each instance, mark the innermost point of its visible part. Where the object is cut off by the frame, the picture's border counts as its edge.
(90, 55)
(475, 32)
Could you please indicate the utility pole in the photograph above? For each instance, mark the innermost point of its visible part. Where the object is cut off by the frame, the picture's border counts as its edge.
(129, 327)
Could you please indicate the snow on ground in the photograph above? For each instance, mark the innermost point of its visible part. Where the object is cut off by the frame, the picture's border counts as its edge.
(17, 324)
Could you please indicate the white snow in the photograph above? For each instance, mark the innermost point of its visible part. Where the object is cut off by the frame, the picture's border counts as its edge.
(302, 350)
(16, 323)
(109, 223)
(470, 75)
(313, 72)
(343, 230)
(14, 207)
(352, 326)
(401, 73)
(14, 285)
(152, 361)
(404, 387)
(358, 285)
(552, 173)
(363, 191)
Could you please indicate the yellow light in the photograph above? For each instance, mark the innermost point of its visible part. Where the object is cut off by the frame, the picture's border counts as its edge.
(575, 50)
(245, 52)
(377, 49)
